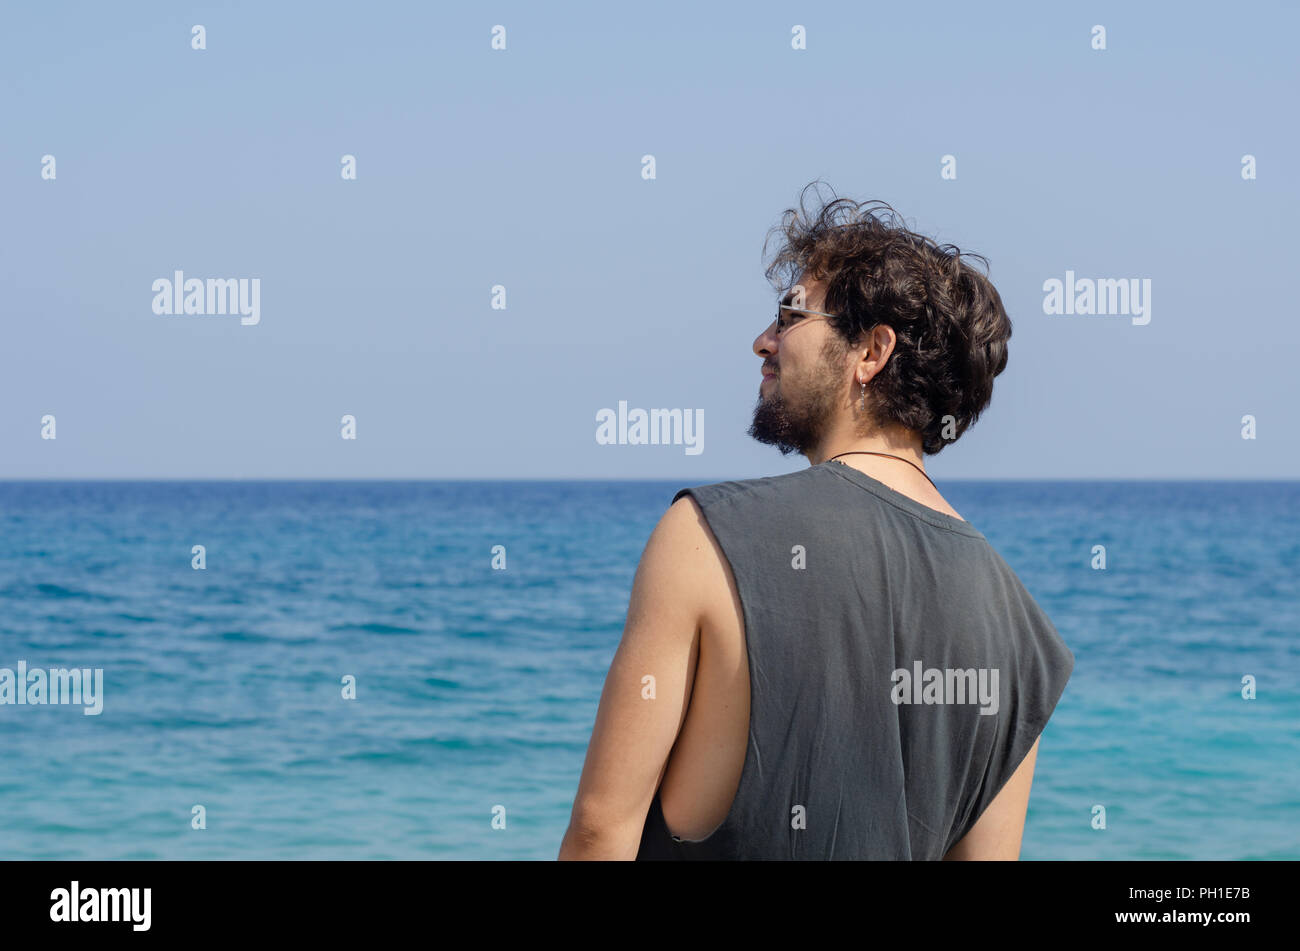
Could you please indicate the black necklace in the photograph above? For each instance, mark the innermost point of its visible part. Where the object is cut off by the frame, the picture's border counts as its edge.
(868, 452)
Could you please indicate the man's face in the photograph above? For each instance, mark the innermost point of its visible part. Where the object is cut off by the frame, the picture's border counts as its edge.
(798, 402)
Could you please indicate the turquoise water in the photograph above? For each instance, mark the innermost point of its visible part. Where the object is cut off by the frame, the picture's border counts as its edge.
(477, 688)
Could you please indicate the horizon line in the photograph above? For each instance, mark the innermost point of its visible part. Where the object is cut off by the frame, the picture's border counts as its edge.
(690, 480)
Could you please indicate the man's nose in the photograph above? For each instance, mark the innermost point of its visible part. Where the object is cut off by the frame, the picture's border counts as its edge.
(765, 344)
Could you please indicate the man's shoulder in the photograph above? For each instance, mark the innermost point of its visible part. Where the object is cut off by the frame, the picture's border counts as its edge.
(694, 510)
(737, 489)
(684, 556)
(705, 523)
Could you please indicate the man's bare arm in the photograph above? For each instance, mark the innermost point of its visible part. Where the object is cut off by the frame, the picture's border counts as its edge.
(633, 736)
(997, 833)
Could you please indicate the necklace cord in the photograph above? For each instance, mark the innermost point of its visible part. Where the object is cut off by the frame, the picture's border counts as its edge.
(868, 452)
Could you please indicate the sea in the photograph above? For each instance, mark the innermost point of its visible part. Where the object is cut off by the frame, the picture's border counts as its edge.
(411, 670)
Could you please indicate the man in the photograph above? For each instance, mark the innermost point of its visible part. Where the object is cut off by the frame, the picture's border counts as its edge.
(832, 663)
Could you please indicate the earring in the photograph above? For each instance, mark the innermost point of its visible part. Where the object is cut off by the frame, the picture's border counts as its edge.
(862, 400)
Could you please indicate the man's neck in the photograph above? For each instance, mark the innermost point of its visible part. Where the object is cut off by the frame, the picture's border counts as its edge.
(902, 478)
(895, 443)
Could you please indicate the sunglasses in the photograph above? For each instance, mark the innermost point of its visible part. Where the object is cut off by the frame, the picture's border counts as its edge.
(783, 324)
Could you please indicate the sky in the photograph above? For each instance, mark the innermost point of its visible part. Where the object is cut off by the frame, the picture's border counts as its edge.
(523, 169)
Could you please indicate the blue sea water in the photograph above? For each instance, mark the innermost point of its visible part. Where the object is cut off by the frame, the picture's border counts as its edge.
(477, 688)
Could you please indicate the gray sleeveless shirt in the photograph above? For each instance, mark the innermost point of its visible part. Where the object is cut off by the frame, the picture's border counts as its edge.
(898, 670)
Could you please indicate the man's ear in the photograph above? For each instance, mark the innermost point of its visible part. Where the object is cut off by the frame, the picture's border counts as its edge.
(879, 343)
(888, 337)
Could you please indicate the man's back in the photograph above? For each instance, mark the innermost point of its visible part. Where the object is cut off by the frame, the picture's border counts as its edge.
(872, 679)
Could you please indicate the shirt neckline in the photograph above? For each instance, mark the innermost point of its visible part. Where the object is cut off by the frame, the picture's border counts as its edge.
(899, 500)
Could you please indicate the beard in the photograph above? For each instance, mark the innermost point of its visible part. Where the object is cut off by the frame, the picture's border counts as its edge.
(797, 422)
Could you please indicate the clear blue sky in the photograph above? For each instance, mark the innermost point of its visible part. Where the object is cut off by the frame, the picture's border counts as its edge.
(522, 168)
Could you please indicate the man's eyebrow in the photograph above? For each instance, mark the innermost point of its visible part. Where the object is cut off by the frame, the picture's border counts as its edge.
(788, 298)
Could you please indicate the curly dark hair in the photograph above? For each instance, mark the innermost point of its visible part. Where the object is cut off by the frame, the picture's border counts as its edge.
(951, 327)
